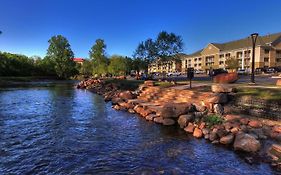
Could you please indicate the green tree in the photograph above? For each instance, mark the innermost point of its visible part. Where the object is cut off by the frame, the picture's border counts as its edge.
(60, 54)
(232, 63)
(98, 58)
(117, 65)
(86, 68)
(166, 46)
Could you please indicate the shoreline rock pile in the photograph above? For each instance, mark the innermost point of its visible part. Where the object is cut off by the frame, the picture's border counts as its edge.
(191, 111)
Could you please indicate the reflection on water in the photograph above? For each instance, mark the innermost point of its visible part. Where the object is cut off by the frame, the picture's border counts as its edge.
(61, 130)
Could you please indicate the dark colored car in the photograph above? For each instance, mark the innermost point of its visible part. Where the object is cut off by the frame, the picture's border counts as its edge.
(260, 70)
(218, 71)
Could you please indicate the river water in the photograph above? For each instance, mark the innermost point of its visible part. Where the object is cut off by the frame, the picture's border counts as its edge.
(57, 129)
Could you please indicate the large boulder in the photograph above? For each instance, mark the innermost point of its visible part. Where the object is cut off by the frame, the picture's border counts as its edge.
(185, 119)
(228, 139)
(168, 121)
(226, 78)
(246, 142)
(221, 88)
(126, 95)
(158, 120)
(218, 98)
(174, 110)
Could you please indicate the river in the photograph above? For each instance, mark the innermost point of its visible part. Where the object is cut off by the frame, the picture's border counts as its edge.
(57, 129)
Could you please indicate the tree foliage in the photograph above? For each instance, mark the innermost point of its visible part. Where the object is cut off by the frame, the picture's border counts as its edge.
(118, 65)
(98, 58)
(60, 54)
(232, 63)
(165, 45)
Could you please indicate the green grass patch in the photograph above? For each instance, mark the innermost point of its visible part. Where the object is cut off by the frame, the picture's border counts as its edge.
(212, 120)
(125, 84)
(163, 84)
(262, 93)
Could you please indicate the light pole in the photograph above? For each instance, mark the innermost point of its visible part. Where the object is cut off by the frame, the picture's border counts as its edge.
(254, 37)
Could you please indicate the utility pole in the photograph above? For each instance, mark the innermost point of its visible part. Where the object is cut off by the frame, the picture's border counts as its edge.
(254, 37)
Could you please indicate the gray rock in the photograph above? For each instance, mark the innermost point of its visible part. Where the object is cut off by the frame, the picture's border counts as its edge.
(221, 88)
(246, 142)
(185, 119)
(218, 109)
(218, 98)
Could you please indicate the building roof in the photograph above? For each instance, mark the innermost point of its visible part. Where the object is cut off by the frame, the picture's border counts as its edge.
(197, 53)
(247, 42)
(78, 59)
(265, 40)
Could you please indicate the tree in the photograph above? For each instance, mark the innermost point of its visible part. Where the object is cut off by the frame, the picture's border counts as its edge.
(232, 63)
(168, 44)
(98, 58)
(60, 54)
(86, 68)
(117, 65)
(164, 47)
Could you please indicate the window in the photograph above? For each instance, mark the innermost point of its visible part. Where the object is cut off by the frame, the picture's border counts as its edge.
(199, 64)
(221, 62)
(227, 55)
(266, 59)
(221, 55)
(266, 51)
(199, 59)
(195, 65)
(195, 59)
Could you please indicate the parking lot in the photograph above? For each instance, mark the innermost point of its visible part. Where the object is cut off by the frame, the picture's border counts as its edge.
(259, 79)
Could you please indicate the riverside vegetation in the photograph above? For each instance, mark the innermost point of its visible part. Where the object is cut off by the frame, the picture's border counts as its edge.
(201, 114)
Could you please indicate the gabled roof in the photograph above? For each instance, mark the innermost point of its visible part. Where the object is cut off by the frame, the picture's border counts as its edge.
(265, 40)
(247, 42)
(194, 54)
(77, 59)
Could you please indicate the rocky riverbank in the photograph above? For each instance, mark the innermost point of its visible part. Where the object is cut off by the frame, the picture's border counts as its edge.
(201, 114)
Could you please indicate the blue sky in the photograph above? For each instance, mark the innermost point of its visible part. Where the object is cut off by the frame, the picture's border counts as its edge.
(28, 24)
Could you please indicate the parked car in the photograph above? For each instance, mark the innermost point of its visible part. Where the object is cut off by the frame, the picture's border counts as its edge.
(242, 72)
(259, 70)
(218, 71)
(272, 70)
(171, 74)
(199, 71)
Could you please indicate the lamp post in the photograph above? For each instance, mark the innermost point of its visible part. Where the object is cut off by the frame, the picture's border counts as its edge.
(254, 37)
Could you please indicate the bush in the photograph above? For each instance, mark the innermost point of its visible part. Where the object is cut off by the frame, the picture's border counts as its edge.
(213, 120)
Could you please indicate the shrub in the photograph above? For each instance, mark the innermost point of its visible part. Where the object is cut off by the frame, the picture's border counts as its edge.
(213, 120)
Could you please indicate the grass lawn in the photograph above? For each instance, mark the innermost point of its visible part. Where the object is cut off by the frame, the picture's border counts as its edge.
(263, 93)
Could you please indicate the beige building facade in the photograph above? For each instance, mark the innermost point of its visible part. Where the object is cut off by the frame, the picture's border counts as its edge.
(214, 55)
(169, 65)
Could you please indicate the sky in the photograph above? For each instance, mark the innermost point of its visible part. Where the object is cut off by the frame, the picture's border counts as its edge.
(27, 25)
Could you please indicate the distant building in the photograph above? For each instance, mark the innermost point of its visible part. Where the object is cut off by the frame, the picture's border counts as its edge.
(170, 64)
(78, 60)
(214, 55)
